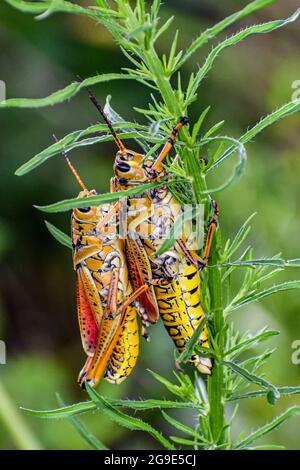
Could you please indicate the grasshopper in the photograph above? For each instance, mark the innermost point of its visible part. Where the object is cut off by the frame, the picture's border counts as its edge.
(175, 275)
(106, 314)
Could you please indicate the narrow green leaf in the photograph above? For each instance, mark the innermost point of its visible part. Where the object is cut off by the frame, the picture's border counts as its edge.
(293, 263)
(185, 390)
(172, 54)
(235, 39)
(60, 236)
(284, 390)
(212, 130)
(141, 9)
(186, 354)
(88, 406)
(290, 412)
(254, 297)
(102, 3)
(92, 441)
(187, 442)
(73, 141)
(199, 123)
(253, 263)
(47, 7)
(99, 199)
(212, 32)
(152, 404)
(238, 169)
(155, 8)
(252, 378)
(51, 6)
(180, 426)
(239, 238)
(250, 342)
(129, 422)
(164, 27)
(63, 94)
(64, 412)
(88, 437)
(257, 361)
(259, 280)
(286, 110)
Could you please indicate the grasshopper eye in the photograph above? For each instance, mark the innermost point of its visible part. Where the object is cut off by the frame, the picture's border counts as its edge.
(123, 167)
(84, 209)
(123, 181)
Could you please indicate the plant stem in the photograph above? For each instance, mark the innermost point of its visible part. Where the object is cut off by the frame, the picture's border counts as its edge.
(155, 66)
(15, 424)
(193, 172)
(216, 380)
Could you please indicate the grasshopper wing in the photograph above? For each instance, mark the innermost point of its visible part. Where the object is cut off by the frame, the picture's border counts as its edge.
(110, 331)
(140, 274)
(89, 309)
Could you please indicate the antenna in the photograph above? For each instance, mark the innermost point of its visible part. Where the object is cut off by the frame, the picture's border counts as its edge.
(96, 103)
(79, 180)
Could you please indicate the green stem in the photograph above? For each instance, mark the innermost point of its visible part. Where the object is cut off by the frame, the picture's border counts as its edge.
(15, 424)
(216, 381)
(153, 62)
(197, 179)
(155, 66)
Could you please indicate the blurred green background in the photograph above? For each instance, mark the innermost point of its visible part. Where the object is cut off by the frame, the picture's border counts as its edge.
(37, 297)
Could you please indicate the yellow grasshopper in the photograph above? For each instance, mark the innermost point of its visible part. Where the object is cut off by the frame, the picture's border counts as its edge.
(175, 275)
(106, 314)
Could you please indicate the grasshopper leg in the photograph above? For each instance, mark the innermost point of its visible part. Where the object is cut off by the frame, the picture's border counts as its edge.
(169, 144)
(210, 233)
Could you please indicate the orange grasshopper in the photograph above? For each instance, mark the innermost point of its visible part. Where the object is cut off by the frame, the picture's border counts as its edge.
(175, 275)
(106, 314)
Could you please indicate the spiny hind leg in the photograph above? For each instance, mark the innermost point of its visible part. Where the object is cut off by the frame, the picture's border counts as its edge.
(191, 255)
(169, 144)
(213, 223)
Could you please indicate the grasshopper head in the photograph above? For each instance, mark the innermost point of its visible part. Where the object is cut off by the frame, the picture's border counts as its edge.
(129, 168)
(86, 214)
